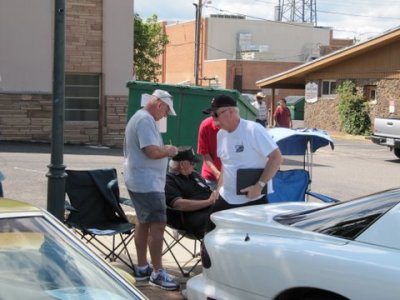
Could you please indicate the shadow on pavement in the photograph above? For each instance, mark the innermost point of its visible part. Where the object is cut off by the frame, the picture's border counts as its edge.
(27, 147)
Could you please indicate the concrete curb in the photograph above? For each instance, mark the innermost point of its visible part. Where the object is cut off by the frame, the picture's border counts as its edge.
(346, 136)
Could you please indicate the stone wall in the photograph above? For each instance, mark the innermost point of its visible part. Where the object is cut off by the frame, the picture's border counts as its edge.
(25, 117)
(116, 118)
(29, 118)
(387, 90)
(324, 113)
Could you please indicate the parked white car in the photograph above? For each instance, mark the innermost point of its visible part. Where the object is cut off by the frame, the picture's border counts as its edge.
(347, 250)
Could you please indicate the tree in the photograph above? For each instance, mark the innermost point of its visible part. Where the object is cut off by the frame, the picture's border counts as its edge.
(149, 44)
(353, 109)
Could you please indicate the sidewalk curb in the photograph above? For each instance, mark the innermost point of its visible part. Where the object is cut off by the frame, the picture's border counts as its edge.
(346, 136)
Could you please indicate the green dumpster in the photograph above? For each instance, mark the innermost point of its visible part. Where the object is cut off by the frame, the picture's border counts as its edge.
(189, 102)
(296, 107)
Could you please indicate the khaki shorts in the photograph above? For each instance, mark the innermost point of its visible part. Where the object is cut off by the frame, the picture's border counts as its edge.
(149, 207)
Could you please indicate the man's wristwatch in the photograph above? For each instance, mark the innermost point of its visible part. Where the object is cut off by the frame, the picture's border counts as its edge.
(261, 183)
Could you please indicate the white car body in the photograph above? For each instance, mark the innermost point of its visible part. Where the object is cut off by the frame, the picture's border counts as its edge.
(255, 257)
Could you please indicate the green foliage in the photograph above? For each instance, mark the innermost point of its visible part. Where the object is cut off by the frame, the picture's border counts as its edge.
(353, 110)
(149, 44)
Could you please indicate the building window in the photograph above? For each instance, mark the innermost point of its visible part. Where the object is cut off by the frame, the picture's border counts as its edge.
(370, 92)
(328, 87)
(82, 95)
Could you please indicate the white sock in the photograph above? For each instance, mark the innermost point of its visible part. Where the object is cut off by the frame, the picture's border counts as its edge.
(143, 268)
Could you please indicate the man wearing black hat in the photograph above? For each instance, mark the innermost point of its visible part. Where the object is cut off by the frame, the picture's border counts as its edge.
(187, 191)
(241, 144)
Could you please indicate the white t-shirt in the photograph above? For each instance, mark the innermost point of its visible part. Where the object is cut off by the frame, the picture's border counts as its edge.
(246, 147)
(262, 110)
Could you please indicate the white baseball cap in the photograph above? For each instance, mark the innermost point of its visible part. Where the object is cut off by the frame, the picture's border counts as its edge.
(260, 95)
(165, 97)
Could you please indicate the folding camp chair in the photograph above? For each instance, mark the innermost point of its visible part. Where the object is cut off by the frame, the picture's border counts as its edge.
(95, 211)
(181, 231)
(293, 185)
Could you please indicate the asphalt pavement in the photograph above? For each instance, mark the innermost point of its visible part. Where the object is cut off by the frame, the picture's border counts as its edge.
(354, 168)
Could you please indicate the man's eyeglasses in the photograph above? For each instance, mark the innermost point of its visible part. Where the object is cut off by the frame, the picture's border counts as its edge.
(216, 114)
(192, 163)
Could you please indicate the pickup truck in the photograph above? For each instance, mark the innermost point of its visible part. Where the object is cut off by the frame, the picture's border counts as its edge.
(387, 133)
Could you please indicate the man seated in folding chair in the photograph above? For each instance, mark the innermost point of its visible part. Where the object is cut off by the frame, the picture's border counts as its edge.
(188, 199)
(187, 191)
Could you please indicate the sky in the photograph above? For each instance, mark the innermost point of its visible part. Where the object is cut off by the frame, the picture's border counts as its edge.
(359, 19)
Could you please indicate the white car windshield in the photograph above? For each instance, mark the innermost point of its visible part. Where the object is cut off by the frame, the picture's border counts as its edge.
(37, 261)
(345, 219)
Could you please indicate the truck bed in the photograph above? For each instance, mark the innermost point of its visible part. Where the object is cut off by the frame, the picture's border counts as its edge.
(387, 133)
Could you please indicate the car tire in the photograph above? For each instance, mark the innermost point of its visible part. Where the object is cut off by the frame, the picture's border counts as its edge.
(397, 152)
(323, 296)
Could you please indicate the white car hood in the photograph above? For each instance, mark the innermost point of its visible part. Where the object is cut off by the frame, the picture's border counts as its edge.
(260, 219)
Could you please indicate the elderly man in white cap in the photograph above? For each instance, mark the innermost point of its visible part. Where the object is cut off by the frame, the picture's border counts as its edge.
(146, 159)
(261, 105)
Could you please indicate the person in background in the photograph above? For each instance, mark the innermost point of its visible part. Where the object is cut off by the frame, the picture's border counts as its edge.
(282, 115)
(187, 191)
(207, 148)
(262, 109)
(241, 144)
(145, 167)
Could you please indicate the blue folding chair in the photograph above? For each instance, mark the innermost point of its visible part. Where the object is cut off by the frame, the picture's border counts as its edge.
(294, 184)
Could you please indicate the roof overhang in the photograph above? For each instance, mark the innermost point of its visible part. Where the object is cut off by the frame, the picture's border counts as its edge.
(295, 78)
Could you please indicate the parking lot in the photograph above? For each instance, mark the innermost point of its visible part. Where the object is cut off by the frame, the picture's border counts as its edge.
(354, 168)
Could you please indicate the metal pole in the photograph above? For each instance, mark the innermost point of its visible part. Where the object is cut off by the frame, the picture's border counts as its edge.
(56, 175)
(197, 42)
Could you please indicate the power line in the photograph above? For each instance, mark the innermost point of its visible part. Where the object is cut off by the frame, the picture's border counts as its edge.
(357, 15)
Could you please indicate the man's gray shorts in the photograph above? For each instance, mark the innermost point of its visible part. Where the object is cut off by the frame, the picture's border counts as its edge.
(149, 207)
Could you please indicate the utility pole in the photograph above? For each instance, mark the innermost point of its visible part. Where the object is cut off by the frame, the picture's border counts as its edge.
(56, 175)
(197, 41)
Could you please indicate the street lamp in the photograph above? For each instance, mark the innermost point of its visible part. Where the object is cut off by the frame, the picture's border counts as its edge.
(199, 7)
(56, 175)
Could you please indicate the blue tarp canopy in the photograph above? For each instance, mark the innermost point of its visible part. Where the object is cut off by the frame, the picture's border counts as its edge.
(295, 141)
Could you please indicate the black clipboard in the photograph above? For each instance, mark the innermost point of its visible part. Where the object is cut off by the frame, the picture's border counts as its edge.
(247, 177)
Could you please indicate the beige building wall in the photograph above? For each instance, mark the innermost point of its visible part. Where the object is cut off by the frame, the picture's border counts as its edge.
(26, 46)
(278, 41)
(118, 45)
(98, 40)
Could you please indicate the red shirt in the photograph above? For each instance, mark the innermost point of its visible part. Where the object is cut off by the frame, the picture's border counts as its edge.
(207, 144)
(282, 116)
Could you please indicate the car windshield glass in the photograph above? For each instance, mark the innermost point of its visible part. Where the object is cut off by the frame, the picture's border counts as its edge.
(345, 219)
(38, 261)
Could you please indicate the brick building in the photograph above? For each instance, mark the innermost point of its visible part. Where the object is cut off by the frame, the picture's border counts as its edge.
(98, 62)
(372, 65)
(236, 52)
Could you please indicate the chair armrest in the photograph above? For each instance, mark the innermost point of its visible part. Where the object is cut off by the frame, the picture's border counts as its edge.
(322, 197)
(69, 207)
(126, 201)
